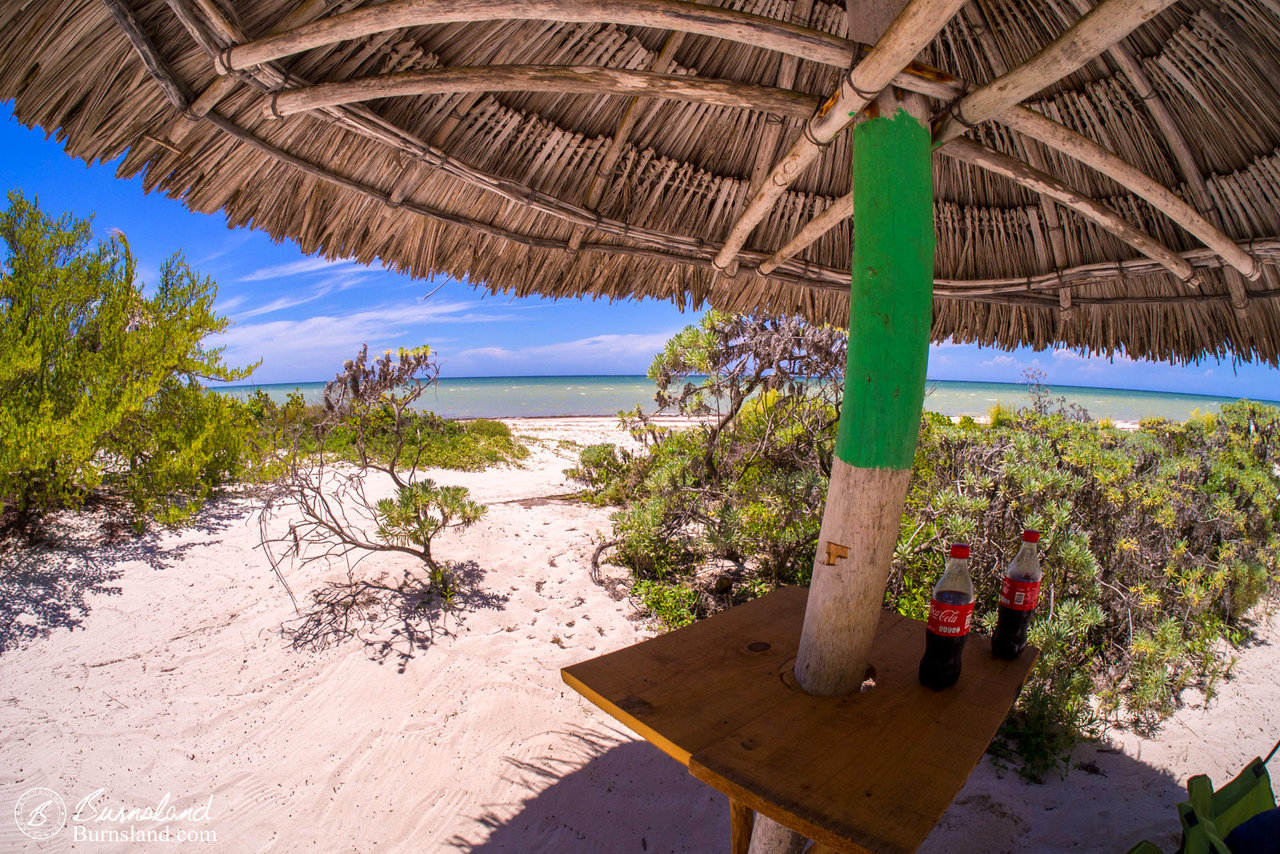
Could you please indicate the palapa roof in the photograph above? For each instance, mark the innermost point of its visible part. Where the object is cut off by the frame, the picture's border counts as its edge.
(1114, 188)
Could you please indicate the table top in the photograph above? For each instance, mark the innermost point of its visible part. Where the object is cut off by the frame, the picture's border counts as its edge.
(872, 771)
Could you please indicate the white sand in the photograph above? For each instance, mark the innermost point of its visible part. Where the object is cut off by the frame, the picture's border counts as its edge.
(180, 682)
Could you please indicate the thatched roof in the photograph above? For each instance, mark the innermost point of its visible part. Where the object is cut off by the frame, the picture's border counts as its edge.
(613, 148)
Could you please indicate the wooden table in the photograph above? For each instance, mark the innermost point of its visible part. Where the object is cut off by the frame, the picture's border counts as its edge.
(873, 771)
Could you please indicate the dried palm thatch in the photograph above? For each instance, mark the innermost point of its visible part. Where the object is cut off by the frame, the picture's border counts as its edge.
(1114, 189)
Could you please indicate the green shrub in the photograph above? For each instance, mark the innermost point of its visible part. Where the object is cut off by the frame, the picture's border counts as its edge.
(489, 429)
(604, 470)
(99, 384)
(380, 433)
(1154, 544)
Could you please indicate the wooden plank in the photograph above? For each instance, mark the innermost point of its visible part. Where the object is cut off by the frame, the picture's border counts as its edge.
(901, 754)
(872, 771)
(685, 690)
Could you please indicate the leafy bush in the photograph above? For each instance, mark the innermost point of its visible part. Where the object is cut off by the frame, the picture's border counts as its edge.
(1155, 543)
(381, 434)
(99, 384)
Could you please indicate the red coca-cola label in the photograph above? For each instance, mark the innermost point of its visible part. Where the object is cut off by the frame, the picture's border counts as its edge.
(1019, 595)
(950, 621)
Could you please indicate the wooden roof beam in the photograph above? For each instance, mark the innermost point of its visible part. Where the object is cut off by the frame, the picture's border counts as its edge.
(1079, 147)
(1104, 26)
(968, 151)
(1052, 252)
(910, 31)
(1023, 174)
(699, 253)
(839, 210)
(544, 78)
(1124, 58)
(1064, 139)
(675, 15)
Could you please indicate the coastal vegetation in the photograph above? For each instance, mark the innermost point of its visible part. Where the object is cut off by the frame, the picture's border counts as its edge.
(100, 384)
(348, 479)
(1156, 541)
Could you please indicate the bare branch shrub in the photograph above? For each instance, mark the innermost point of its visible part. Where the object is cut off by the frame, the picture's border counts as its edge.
(351, 479)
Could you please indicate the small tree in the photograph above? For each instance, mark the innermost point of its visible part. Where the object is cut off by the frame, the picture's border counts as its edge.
(746, 484)
(99, 383)
(369, 427)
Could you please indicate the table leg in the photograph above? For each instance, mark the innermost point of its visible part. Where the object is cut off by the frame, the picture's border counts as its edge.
(741, 818)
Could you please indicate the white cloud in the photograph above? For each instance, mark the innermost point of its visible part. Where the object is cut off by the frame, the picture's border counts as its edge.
(230, 304)
(311, 347)
(282, 303)
(1003, 360)
(306, 265)
(601, 350)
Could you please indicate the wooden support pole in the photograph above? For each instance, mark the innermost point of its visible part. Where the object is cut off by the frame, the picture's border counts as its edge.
(913, 28)
(771, 837)
(890, 317)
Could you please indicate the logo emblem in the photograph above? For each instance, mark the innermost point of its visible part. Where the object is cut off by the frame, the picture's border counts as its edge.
(40, 813)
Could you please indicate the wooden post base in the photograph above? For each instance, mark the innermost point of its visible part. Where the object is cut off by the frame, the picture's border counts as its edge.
(855, 551)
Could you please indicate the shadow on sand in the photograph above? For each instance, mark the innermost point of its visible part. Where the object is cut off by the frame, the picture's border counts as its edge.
(626, 796)
(47, 582)
(602, 794)
(395, 620)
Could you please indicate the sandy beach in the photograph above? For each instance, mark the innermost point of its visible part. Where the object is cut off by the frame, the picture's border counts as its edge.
(172, 670)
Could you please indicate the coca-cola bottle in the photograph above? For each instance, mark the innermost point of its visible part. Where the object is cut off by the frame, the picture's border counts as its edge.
(950, 614)
(1019, 593)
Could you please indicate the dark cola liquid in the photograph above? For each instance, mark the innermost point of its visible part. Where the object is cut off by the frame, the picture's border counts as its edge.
(1011, 633)
(940, 667)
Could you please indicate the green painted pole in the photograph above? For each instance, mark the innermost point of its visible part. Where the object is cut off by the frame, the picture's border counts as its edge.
(890, 315)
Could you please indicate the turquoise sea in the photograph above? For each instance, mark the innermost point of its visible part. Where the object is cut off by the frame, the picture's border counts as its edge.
(509, 397)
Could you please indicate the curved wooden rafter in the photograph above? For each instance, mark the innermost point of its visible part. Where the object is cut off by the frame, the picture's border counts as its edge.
(1061, 138)
(914, 27)
(975, 154)
(545, 78)
(1068, 142)
(673, 15)
(1109, 22)
(1088, 35)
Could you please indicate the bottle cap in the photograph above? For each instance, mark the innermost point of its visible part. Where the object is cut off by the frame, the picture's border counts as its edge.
(960, 550)
(1029, 536)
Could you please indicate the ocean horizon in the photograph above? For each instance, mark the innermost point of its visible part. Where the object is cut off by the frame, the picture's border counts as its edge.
(606, 395)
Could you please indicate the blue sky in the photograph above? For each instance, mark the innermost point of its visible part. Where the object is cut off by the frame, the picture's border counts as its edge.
(302, 316)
